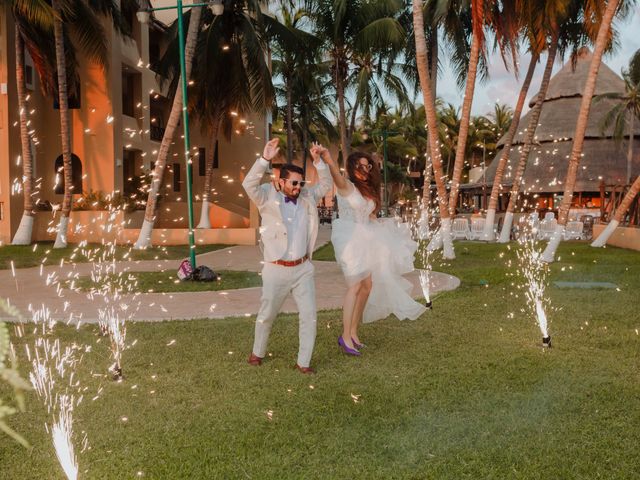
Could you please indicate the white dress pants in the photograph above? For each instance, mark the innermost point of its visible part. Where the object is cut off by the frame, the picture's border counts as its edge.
(277, 282)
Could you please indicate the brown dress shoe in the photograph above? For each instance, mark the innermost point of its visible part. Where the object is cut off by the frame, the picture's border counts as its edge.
(307, 370)
(255, 360)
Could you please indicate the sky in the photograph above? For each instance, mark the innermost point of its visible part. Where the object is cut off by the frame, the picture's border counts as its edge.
(502, 86)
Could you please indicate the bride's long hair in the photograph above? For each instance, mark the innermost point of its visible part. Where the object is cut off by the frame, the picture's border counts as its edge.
(369, 188)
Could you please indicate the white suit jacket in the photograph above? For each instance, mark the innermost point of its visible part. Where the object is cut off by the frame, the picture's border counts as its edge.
(273, 232)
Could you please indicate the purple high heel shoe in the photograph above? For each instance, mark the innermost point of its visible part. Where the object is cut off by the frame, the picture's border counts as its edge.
(346, 349)
(356, 344)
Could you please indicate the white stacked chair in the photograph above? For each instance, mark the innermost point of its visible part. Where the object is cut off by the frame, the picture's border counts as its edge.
(460, 229)
(477, 228)
(547, 227)
(574, 230)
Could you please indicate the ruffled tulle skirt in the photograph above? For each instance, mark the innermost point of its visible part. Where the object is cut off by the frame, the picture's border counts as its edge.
(384, 250)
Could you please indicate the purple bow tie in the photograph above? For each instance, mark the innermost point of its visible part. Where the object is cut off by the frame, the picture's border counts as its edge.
(292, 200)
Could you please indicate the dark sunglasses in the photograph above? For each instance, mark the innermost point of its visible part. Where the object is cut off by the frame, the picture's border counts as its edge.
(364, 168)
(295, 183)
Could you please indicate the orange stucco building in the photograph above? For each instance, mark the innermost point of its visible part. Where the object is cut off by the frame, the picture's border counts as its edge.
(116, 132)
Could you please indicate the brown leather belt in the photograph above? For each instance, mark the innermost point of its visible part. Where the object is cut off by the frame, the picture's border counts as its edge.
(291, 263)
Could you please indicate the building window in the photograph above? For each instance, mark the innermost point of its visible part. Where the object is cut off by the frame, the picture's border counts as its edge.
(176, 177)
(158, 105)
(130, 82)
(76, 175)
(29, 77)
(202, 161)
(216, 164)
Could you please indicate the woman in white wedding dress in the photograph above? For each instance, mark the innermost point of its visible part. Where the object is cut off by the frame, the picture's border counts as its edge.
(373, 253)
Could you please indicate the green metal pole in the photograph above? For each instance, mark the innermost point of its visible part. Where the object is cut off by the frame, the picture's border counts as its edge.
(384, 169)
(185, 124)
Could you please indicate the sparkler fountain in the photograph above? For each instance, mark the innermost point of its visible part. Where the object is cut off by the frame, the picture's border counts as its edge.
(534, 271)
(422, 229)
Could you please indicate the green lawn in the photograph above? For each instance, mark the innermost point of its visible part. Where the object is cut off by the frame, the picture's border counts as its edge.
(34, 255)
(464, 392)
(168, 281)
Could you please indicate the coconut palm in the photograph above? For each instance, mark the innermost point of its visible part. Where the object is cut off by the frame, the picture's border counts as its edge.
(52, 33)
(488, 233)
(313, 108)
(81, 18)
(561, 28)
(232, 79)
(603, 40)
(501, 18)
(432, 127)
(627, 108)
(477, 45)
(23, 234)
(26, 22)
(351, 28)
(293, 48)
(505, 234)
(144, 238)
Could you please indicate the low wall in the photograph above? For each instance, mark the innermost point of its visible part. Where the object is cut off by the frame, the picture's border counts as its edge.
(623, 237)
(91, 225)
(96, 226)
(180, 236)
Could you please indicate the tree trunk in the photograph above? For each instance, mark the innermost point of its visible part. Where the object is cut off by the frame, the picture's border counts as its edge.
(505, 234)
(342, 115)
(433, 76)
(432, 122)
(630, 147)
(352, 123)
(65, 131)
(489, 234)
(208, 179)
(305, 145)
(144, 239)
(23, 234)
(581, 127)
(289, 121)
(434, 53)
(458, 163)
(618, 215)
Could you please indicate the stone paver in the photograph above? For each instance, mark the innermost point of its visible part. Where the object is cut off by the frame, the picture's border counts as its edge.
(33, 287)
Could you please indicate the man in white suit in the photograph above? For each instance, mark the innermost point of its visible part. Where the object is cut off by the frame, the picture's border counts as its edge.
(288, 234)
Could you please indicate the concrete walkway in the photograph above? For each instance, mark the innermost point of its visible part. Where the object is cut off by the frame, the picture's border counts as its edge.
(35, 287)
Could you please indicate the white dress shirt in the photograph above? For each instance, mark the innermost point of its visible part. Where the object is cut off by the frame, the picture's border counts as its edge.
(297, 223)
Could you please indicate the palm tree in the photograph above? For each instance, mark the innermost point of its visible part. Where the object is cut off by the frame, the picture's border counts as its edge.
(313, 108)
(144, 238)
(349, 28)
(628, 106)
(502, 118)
(559, 28)
(488, 233)
(477, 44)
(432, 122)
(505, 234)
(79, 17)
(23, 234)
(231, 76)
(293, 49)
(46, 31)
(602, 41)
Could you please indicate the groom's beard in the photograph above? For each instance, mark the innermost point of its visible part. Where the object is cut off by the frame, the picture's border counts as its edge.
(293, 193)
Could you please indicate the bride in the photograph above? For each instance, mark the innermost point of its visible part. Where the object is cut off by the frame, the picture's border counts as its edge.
(372, 253)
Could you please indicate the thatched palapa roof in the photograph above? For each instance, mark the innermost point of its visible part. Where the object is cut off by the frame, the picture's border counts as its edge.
(602, 159)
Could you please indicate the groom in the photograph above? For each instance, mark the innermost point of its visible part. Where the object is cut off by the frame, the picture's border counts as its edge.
(288, 234)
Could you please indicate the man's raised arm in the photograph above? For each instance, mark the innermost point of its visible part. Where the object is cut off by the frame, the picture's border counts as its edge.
(251, 182)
